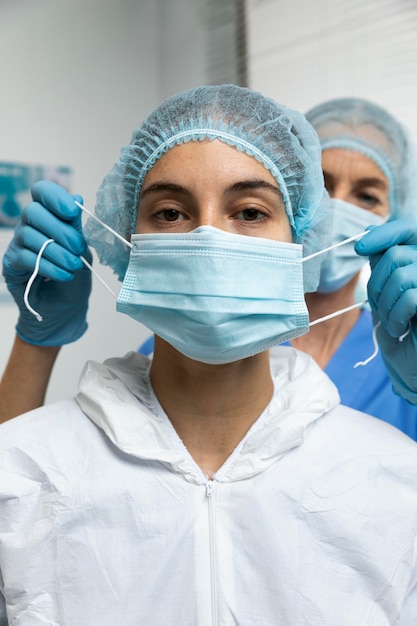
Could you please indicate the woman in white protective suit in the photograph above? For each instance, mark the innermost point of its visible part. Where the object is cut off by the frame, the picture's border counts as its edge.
(198, 488)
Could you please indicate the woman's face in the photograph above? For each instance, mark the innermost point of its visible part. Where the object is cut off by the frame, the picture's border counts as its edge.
(209, 183)
(354, 178)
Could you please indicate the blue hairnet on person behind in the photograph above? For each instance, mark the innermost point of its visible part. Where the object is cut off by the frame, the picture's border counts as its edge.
(279, 137)
(360, 125)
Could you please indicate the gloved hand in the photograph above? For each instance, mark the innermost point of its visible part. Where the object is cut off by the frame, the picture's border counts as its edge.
(61, 290)
(392, 295)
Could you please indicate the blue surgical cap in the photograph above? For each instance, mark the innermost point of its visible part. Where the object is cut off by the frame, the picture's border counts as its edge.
(278, 137)
(362, 126)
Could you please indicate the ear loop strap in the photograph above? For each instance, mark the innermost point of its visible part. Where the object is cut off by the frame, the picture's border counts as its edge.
(97, 219)
(90, 267)
(357, 305)
(32, 279)
(84, 261)
(36, 272)
(349, 308)
(113, 232)
(374, 339)
(335, 245)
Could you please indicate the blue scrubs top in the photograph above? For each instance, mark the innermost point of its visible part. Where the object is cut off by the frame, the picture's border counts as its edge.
(146, 347)
(368, 388)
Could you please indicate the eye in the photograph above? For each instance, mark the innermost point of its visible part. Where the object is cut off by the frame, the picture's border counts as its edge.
(250, 215)
(169, 215)
(368, 200)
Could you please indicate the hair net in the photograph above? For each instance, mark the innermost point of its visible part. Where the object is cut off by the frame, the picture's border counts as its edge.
(362, 126)
(278, 137)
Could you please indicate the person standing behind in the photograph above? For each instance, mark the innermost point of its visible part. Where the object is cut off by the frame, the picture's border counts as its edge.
(370, 172)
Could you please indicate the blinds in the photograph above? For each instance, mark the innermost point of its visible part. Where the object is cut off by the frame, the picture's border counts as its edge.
(301, 52)
(225, 31)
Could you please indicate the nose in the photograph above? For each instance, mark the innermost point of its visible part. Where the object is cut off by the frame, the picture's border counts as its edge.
(210, 215)
(340, 191)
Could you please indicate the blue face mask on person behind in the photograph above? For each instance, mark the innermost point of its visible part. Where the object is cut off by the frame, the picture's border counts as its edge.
(216, 297)
(342, 263)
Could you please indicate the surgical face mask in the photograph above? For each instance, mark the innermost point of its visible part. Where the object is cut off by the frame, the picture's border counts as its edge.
(265, 271)
(342, 263)
(215, 296)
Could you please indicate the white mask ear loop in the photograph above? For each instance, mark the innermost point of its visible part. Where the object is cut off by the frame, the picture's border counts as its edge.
(36, 272)
(375, 352)
(349, 308)
(354, 306)
(357, 305)
(90, 267)
(335, 245)
(97, 219)
(31, 280)
(376, 348)
(113, 232)
(86, 263)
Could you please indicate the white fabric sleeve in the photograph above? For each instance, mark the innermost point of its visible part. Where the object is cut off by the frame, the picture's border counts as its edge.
(3, 614)
(409, 610)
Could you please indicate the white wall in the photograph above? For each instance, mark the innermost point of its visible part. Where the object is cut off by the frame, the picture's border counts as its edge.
(302, 52)
(77, 76)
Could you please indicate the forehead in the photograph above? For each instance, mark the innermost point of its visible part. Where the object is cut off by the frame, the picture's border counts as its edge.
(198, 161)
(351, 165)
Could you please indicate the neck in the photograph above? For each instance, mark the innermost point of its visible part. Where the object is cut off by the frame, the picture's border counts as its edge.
(210, 406)
(323, 339)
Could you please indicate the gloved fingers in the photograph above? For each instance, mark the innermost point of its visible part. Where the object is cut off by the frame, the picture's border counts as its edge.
(78, 198)
(30, 240)
(88, 256)
(56, 199)
(77, 221)
(380, 238)
(40, 219)
(399, 286)
(402, 313)
(387, 270)
(17, 268)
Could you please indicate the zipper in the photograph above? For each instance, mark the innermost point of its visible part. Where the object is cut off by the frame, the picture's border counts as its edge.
(211, 503)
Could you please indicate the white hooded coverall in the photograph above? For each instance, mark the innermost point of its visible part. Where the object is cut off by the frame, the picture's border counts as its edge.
(106, 520)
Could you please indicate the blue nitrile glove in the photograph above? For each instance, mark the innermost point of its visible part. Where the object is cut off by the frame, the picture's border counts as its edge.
(392, 294)
(61, 290)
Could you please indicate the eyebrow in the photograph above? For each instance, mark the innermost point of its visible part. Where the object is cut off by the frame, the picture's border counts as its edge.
(241, 185)
(157, 187)
(373, 182)
(254, 184)
(368, 181)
